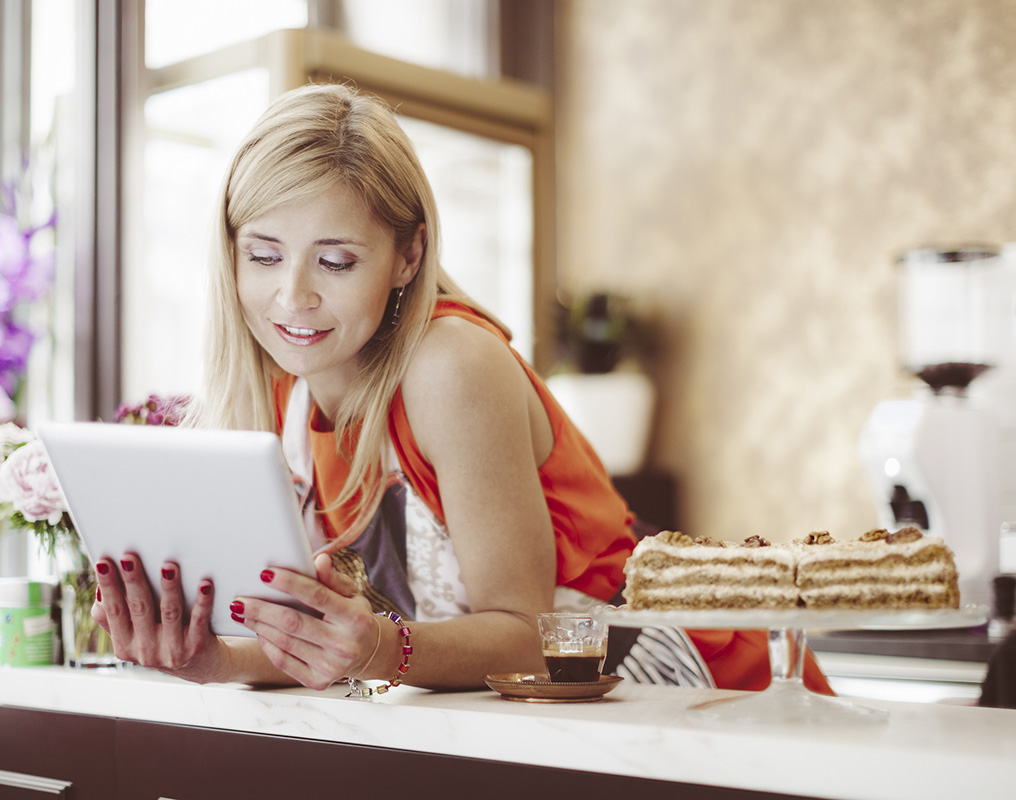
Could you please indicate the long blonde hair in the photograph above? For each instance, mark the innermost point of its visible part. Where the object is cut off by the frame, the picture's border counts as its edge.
(307, 141)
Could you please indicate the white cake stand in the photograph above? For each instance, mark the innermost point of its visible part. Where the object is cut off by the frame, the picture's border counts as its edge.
(787, 699)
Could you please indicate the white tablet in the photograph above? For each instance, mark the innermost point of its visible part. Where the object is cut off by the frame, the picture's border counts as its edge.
(221, 504)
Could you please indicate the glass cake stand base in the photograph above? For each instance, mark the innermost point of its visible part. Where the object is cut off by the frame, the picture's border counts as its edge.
(787, 699)
(786, 702)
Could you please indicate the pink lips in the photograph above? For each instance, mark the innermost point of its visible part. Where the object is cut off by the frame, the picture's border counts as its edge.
(300, 336)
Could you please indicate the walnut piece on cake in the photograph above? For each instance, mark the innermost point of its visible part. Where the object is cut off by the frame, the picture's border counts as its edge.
(675, 538)
(904, 536)
(709, 541)
(819, 537)
(755, 541)
(874, 535)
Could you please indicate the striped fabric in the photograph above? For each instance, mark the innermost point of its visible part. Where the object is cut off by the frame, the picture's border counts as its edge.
(665, 656)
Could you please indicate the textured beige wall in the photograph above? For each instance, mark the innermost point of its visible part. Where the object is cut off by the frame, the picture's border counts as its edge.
(749, 168)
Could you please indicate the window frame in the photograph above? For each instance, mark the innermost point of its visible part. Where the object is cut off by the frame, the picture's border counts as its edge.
(505, 110)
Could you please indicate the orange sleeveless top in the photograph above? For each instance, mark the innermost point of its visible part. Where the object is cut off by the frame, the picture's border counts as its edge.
(592, 523)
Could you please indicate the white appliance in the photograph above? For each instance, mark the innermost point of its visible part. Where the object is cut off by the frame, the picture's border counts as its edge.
(939, 459)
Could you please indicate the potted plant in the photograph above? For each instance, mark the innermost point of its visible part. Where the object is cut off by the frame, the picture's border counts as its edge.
(600, 380)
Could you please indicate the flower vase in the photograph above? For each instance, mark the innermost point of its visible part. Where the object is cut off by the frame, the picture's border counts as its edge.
(85, 643)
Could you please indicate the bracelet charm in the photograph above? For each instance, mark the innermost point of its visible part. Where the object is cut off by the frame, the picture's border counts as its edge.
(355, 689)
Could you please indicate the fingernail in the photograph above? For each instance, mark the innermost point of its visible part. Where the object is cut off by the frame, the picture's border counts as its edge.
(205, 588)
(98, 594)
(168, 574)
(102, 567)
(128, 566)
(237, 618)
(236, 607)
(267, 575)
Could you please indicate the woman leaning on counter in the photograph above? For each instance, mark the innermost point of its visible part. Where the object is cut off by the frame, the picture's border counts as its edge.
(449, 495)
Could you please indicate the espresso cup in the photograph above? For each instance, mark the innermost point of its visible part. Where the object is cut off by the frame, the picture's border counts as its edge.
(574, 646)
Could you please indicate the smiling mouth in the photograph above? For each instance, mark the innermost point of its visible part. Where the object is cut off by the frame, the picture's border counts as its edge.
(300, 331)
(296, 335)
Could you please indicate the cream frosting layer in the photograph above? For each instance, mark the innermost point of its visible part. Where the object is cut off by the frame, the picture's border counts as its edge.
(924, 571)
(726, 572)
(780, 555)
(861, 551)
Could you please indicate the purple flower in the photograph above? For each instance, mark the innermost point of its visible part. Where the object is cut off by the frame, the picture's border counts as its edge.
(13, 258)
(24, 276)
(155, 410)
(15, 344)
(26, 273)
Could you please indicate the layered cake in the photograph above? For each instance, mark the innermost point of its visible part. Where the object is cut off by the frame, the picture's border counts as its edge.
(672, 570)
(879, 570)
(904, 569)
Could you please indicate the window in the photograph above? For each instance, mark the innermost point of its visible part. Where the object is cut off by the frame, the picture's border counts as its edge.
(142, 103)
(484, 196)
(483, 145)
(179, 29)
(189, 134)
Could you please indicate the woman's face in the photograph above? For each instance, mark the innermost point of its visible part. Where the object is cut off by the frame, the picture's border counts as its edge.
(313, 279)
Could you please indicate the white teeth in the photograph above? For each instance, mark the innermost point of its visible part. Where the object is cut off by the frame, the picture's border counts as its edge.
(299, 331)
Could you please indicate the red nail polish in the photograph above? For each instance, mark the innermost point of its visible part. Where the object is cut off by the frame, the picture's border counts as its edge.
(237, 618)
(206, 588)
(102, 567)
(98, 594)
(128, 566)
(267, 575)
(169, 574)
(236, 607)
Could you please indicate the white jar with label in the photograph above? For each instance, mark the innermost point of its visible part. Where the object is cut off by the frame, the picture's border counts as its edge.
(28, 630)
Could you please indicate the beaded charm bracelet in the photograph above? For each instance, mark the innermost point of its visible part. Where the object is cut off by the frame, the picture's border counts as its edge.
(407, 650)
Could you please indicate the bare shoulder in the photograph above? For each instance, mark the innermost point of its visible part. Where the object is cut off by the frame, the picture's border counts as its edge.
(455, 353)
(462, 381)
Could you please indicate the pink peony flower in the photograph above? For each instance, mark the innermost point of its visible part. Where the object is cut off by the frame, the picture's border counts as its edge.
(12, 436)
(28, 482)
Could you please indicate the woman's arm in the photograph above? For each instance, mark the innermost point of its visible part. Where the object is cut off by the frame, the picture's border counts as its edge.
(477, 420)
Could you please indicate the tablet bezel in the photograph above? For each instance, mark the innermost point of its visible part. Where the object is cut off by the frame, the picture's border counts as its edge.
(221, 504)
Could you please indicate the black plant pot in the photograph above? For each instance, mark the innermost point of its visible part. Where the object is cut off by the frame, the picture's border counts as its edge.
(597, 357)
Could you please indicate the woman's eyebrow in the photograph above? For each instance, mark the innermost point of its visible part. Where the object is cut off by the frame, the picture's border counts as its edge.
(264, 237)
(337, 242)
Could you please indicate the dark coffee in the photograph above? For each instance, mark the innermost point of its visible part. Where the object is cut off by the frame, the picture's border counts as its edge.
(573, 667)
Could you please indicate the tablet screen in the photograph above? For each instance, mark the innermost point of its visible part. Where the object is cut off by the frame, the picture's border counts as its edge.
(221, 504)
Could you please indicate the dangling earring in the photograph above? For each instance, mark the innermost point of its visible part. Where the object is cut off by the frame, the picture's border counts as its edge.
(398, 302)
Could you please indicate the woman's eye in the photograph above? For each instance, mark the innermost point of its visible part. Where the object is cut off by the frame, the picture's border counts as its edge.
(264, 259)
(335, 264)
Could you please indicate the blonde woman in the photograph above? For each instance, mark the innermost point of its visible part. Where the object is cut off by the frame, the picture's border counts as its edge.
(446, 493)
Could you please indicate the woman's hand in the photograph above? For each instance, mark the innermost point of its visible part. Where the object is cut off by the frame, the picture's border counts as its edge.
(314, 651)
(162, 635)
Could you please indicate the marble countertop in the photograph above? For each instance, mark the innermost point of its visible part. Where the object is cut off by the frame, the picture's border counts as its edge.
(922, 751)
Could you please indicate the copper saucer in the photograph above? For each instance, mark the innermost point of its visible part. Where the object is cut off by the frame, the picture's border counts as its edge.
(538, 688)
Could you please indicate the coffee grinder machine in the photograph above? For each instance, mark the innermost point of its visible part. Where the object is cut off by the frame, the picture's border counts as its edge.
(933, 459)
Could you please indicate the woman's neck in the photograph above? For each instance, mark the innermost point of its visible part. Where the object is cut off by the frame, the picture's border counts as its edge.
(329, 390)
